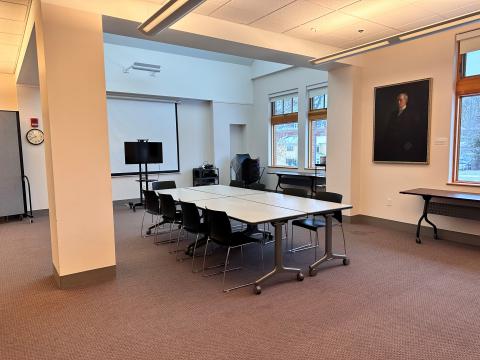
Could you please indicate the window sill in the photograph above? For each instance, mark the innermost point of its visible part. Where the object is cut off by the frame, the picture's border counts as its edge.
(459, 183)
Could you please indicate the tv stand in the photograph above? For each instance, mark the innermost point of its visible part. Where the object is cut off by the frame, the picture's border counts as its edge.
(142, 178)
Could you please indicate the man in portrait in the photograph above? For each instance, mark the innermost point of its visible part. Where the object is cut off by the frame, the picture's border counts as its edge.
(404, 137)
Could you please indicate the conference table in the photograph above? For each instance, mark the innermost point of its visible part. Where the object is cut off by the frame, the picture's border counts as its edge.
(255, 207)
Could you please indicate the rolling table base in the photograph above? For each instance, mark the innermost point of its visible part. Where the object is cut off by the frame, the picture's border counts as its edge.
(278, 268)
(329, 255)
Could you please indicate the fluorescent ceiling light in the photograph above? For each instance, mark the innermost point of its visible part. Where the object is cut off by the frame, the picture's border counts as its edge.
(423, 31)
(169, 13)
(350, 52)
(475, 16)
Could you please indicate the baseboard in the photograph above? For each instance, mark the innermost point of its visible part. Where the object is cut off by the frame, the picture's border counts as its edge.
(464, 238)
(40, 212)
(85, 278)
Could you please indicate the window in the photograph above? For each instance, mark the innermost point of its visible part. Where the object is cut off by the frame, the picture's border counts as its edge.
(317, 126)
(285, 131)
(467, 125)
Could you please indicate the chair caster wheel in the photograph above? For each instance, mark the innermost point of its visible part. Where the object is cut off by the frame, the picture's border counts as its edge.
(418, 241)
(300, 276)
(148, 233)
(346, 262)
(312, 272)
(257, 290)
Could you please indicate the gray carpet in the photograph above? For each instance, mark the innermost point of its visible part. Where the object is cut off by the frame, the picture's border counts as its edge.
(396, 300)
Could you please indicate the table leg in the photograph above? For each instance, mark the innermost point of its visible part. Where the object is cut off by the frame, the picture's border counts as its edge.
(278, 182)
(279, 267)
(425, 216)
(329, 255)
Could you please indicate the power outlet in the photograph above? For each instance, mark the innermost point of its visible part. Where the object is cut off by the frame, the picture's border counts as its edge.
(389, 202)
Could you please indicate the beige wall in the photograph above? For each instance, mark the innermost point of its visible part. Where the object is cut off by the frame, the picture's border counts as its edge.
(430, 57)
(8, 92)
(72, 88)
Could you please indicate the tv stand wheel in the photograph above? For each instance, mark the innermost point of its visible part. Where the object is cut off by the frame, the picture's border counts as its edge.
(257, 290)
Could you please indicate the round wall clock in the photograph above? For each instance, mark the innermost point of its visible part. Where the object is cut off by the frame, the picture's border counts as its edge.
(35, 136)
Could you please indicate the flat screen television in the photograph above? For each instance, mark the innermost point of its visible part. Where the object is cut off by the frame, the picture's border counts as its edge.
(143, 153)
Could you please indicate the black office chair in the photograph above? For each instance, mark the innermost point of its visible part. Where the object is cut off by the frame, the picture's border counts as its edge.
(314, 223)
(257, 186)
(162, 185)
(237, 183)
(170, 214)
(292, 192)
(191, 223)
(295, 192)
(152, 207)
(220, 232)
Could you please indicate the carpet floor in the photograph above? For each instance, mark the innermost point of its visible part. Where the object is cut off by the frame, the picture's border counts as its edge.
(396, 300)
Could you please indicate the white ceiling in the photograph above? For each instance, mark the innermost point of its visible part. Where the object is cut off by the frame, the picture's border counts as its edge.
(13, 17)
(340, 23)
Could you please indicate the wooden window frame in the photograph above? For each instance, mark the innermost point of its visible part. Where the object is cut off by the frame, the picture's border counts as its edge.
(465, 86)
(313, 115)
(278, 120)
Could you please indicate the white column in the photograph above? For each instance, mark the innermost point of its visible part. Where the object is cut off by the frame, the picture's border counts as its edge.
(72, 87)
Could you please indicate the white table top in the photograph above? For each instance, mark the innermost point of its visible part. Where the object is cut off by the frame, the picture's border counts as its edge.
(305, 205)
(248, 211)
(225, 190)
(188, 195)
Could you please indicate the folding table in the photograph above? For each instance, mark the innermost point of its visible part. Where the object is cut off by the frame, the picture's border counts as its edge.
(255, 213)
(310, 207)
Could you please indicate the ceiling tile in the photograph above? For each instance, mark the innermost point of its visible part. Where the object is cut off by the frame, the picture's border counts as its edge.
(247, 11)
(11, 27)
(22, 2)
(9, 52)
(12, 11)
(291, 16)
(260, 6)
(334, 4)
(406, 15)
(461, 11)
(240, 16)
(210, 6)
(373, 9)
(7, 67)
(329, 23)
(10, 39)
(442, 7)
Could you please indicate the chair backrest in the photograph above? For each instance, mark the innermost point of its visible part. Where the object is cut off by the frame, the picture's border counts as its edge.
(219, 226)
(331, 197)
(296, 192)
(152, 203)
(190, 217)
(237, 183)
(167, 206)
(257, 186)
(162, 185)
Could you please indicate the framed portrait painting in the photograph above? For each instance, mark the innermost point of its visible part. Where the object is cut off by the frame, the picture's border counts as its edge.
(401, 123)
